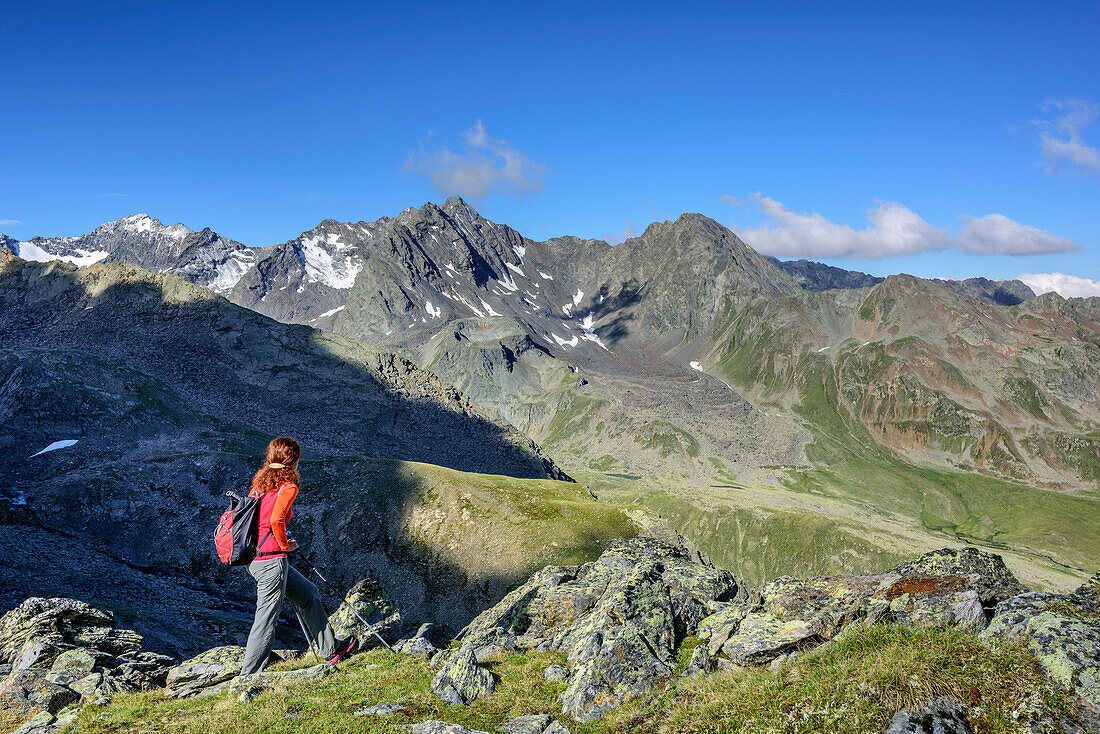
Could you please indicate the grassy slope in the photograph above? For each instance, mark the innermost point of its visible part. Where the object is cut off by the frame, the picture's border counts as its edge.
(854, 683)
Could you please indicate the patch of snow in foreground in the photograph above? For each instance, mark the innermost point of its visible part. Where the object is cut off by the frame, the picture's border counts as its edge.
(82, 258)
(514, 269)
(434, 312)
(546, 276)
(696, 366)
(520, 250)
(57, 445)
(822, 349)
(334, 311)
(577, 297)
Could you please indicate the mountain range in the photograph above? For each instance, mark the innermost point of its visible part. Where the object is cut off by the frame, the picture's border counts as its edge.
(780, 414)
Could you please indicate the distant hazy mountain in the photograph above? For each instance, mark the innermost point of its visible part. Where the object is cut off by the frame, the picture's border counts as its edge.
(815, 276)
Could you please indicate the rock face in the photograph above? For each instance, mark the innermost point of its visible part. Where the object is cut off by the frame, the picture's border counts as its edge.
(368, 601)
(533, 724)
(938, 716)
(62, 652)
(619, 619)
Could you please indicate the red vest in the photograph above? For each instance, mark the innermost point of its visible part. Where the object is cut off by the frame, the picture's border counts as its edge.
(268, 547)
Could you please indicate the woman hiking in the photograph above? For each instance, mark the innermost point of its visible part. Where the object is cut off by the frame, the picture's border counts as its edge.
(276, 483)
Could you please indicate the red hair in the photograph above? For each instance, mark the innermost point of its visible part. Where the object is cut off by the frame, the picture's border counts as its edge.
(282, 450)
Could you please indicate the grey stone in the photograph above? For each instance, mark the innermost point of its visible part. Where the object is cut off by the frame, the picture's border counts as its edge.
(937, 716)
(461, 680)
(556, 672)
(434, 726)
(380, 709)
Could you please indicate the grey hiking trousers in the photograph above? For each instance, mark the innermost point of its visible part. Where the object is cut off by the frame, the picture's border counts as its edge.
(275, 578)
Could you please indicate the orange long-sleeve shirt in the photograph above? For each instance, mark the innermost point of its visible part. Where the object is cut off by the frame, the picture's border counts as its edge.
(280, 513)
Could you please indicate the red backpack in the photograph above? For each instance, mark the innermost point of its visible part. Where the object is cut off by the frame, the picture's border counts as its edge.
(235, 537)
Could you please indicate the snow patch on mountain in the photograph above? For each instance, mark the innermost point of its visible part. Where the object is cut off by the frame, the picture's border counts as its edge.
(64, 444)
(331, 267)
(80, 258)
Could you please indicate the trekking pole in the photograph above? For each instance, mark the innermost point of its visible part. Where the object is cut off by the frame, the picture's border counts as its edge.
(302, 624)
(357, 614)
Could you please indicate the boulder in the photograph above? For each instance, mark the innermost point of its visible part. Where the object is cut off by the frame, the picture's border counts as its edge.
(995, 582)
(533, 724)
(144, 669)
(28, 692)
(99, 688)
(79, 660)
(461, 680)
(433, 726)
(1068, 652)
(47, 723)
(419, 645)
(368, 599)
(556, 672)
(204, 672)
(381, 709)
(937, 716)
(761, 637)
(490, 643)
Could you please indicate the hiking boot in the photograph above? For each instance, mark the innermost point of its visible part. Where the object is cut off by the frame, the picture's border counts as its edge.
(343, 650)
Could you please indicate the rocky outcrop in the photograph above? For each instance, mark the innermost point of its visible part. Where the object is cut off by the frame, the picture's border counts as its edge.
(367, 600)
(63, 653)
(619, 619)
(461, 680)
(937, 716)
(1063, 632)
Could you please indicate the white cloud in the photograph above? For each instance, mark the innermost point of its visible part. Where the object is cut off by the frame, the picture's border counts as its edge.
(892, 229)
(9, 222)
(484, 164)
(1060, 138)
(1065, 285)
(997, 234)
(625, 233)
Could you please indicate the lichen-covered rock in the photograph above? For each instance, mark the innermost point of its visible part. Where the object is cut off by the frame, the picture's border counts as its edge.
(702, 661)
(380, 709)
(618, 619)
(99, 688)
(204, 671)
(533, 724)
(762, 637)
(368, 599)
(144, 669)
(942, 600)
(77, 660)
(995, 582)
(937, 716)
(1068, 651)
(28, 692)
(57, 619)
(434, 726)
(47, 723)
(461, 680)
(419, 645)
(490, 643)
(556, 672)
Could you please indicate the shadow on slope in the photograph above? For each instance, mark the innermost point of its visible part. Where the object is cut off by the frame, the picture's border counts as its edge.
(172, 393)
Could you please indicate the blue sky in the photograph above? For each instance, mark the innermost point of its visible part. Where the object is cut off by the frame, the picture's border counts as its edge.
(789, 123)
